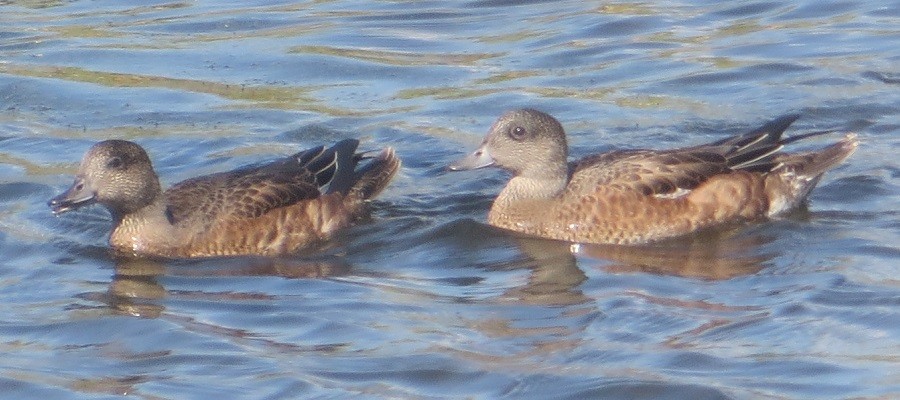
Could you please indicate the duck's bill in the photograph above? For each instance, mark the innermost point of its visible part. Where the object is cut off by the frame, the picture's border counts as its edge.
(79, 195)
(479, 159)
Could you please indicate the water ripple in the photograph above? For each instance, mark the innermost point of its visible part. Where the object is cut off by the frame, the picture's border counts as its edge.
(423, 299)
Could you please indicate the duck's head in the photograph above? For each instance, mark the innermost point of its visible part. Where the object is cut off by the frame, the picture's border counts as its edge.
(115, 173)
(526, 142)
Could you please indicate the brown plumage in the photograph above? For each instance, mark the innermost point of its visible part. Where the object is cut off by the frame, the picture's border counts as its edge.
(639, 196)
(269, 209)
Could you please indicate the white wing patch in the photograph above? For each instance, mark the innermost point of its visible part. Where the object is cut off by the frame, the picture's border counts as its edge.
(678, 193)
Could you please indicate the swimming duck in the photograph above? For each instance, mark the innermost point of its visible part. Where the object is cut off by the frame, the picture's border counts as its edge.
(270, 209)
(641, 196)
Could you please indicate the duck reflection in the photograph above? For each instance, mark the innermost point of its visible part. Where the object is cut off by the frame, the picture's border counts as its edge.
(714, 255)
(556, 267)
(135, 289)
(555, 276)
(557, 272)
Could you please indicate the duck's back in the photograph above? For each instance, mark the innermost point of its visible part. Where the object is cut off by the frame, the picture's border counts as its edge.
(238, 195)
(645, 172)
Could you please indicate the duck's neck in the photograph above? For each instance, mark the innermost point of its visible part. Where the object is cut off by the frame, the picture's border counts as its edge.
(522, 188)
(527, 195)
(147, 227)
(524, 202)
(540, 182)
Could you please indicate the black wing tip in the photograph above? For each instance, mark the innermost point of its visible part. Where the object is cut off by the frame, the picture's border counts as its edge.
(787, 118)
(777, 126)
(324, 163)
(346, 146)
(346, 159)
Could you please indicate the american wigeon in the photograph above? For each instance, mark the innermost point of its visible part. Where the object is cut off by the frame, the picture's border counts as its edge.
(270, 209)
(639, 196)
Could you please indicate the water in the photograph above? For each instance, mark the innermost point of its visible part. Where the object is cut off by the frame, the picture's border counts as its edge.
(424, 300)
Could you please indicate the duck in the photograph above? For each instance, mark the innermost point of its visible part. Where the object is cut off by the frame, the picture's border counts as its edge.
(274, 208)
(638, 196)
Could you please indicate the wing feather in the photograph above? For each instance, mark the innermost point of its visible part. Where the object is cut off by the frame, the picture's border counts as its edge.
(673, 172)
(652, 173)
(251, 192)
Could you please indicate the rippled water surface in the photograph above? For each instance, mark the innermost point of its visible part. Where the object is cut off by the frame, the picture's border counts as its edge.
(424, 300)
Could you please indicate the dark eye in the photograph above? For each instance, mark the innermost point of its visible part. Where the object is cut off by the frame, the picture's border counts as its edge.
(115, 163)
(518, 133)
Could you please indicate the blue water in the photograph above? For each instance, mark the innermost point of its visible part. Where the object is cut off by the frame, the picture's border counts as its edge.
(424, 300)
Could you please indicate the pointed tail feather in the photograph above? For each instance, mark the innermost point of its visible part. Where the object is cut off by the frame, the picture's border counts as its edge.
(758, 151)
(815, 163)
(762, 159)
(796, 174)
(373, 177)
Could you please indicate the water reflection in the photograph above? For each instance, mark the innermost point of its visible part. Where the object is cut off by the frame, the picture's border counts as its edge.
(555, 276)
(433, 308)
(556, 267)
(714, 255)
(135, 288)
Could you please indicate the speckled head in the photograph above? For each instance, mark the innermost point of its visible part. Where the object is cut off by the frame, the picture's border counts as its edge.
(526, 142)
(115, 173)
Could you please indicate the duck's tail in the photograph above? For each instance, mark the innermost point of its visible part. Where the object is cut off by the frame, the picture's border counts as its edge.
(367, 181)
(794, 175)
(815, 163)
(373, 177)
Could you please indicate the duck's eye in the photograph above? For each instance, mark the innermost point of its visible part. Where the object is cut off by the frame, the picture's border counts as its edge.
(115, 163)
(518, 133)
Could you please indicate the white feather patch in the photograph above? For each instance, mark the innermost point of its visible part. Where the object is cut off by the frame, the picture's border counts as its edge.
(680, 192)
